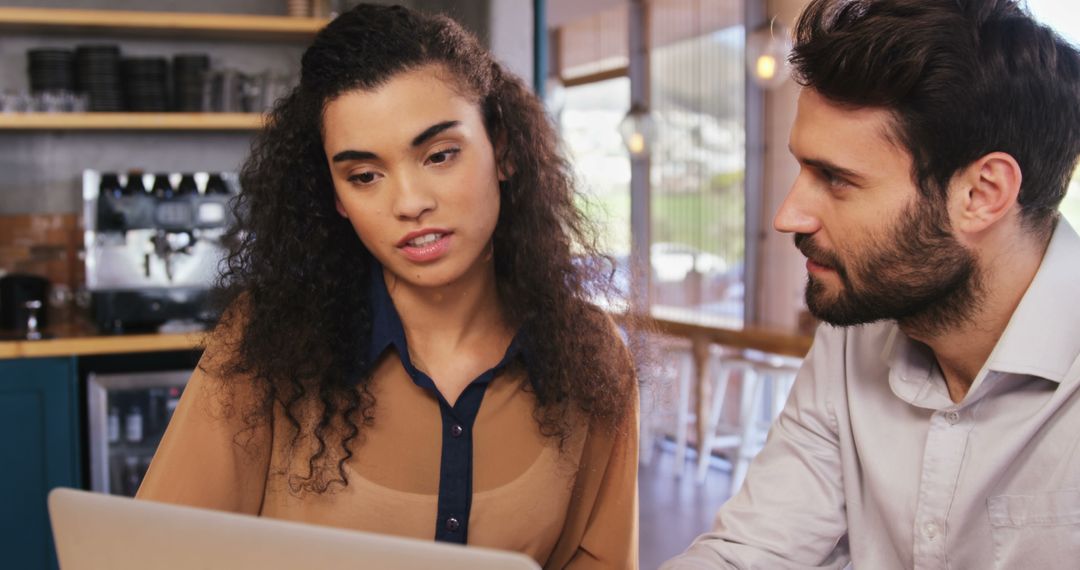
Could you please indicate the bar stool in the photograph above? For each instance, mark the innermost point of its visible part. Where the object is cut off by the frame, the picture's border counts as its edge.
(764, 384)
(717, 433)
(775, 377)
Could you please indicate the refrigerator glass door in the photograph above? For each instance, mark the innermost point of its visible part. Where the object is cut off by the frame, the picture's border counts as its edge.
(127, 415)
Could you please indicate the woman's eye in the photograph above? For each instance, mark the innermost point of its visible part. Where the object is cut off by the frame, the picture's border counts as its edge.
(364, 177)
(443, 156)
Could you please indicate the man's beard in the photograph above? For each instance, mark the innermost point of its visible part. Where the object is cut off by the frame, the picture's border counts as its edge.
(919, 275)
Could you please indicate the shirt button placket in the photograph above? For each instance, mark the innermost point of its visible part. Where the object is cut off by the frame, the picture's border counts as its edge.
(930, 531)
(942, 458)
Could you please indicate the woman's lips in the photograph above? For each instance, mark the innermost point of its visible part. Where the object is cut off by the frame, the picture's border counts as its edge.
(422, 249)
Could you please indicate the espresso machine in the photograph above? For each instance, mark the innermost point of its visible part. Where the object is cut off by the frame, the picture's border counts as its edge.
(154, 246)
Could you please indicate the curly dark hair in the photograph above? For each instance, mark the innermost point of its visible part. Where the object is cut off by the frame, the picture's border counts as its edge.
(295, 282)
(963, 78)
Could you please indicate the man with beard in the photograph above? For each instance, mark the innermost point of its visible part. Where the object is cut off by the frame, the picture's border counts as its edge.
(936, 422)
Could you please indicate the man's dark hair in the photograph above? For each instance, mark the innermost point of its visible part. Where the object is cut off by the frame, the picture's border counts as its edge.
(963, 78)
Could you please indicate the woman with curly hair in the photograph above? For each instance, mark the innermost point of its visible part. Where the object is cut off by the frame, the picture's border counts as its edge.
(409, 346)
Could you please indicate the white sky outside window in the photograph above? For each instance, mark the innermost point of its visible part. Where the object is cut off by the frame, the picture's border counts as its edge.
(589, 121)
(1064, 17)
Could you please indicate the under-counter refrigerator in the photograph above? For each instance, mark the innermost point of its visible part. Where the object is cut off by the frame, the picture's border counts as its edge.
(126, 415)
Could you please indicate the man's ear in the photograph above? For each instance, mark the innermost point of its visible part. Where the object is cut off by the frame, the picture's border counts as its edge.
(984, 192)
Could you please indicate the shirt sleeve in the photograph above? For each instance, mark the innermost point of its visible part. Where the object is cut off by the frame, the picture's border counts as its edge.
(610, 537)
(790, 512)
(210, 456)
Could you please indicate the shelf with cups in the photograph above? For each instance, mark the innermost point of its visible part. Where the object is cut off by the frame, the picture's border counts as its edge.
(131, 121)
(159, 24)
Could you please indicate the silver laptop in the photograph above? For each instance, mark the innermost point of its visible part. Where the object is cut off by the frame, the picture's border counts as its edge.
(95, 532)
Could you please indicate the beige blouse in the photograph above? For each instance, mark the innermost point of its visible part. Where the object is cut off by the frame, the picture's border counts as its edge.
(575, 508)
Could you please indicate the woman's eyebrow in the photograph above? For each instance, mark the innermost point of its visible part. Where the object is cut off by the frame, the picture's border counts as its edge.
(354, 155)
(428, 133)
(433, 130)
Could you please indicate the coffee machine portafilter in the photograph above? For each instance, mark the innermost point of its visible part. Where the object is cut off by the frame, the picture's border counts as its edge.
(154, 245)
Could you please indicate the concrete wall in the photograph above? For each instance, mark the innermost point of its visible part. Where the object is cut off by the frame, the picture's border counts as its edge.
(41, 172)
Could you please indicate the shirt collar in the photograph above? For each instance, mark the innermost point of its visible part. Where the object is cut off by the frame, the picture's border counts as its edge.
(913, 373)
(386, 327)
(387, 331)
(1043, 336)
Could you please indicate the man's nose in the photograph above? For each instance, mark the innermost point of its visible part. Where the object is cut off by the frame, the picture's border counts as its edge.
(794, 214)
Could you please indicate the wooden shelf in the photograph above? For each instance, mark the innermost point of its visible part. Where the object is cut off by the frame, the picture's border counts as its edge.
(159, 24)
(131, 121)
(80, 346)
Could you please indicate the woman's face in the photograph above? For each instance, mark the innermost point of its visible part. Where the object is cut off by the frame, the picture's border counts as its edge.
(415, 174)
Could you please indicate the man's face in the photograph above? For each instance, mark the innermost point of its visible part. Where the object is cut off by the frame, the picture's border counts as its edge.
(876, 249)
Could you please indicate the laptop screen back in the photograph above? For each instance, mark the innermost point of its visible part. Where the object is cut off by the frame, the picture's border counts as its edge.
(95, 531)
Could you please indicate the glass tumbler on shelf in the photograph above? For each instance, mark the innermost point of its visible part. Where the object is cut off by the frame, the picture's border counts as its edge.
(224, 91)
(61, 303)
(321, 8)
(298, 8)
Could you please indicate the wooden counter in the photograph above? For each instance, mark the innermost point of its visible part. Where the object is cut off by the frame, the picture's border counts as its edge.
(746, 337)
(81, 343)
(722, 331)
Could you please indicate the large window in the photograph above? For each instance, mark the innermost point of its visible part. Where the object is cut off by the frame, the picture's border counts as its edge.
(697, 195)
(698, 164)
(589, 119)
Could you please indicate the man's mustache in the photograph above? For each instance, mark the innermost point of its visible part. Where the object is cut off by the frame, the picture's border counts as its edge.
(819, 255)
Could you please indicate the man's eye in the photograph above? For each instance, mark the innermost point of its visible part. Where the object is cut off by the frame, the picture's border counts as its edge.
(832, 179)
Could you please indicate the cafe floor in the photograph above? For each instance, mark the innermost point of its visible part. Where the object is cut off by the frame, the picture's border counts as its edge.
(674, 510)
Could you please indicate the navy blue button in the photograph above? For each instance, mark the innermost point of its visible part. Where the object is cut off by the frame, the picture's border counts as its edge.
(456, 430)
(452, 524)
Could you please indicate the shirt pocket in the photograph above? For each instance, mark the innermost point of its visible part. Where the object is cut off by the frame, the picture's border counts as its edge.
(1041, 530)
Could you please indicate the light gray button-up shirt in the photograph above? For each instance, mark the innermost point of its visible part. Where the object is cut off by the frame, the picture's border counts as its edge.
(872, 463)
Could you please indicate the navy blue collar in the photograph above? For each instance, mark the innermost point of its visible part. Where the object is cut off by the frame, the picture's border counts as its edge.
(386, 327)
(387, 331)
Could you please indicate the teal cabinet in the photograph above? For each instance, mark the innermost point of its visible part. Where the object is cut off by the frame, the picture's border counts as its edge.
(39, 450)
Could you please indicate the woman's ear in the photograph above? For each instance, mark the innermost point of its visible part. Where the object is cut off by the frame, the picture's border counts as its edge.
(506, 172)
(340, 208)
(504, 166)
